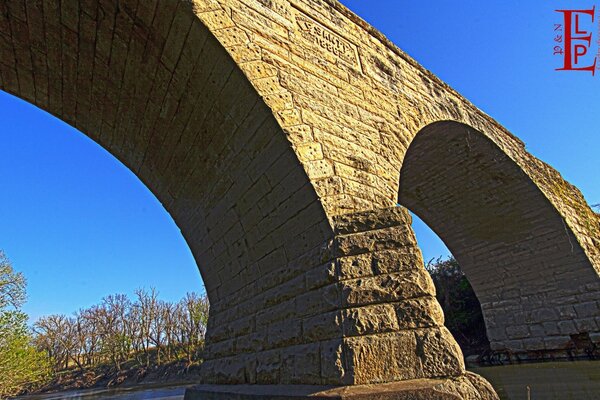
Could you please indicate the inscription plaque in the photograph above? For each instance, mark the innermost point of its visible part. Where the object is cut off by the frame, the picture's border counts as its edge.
(316, 33)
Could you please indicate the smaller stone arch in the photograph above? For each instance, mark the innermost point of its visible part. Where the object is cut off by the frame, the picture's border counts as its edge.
(537, 287)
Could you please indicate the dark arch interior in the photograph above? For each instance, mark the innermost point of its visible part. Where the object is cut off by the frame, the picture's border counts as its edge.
(521, 259)
(461, 306)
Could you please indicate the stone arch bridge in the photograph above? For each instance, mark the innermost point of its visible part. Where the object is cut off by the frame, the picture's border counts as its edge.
(280, 135)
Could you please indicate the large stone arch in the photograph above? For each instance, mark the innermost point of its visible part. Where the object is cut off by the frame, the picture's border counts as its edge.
(273, 131)
(536, 285)
(151, 84)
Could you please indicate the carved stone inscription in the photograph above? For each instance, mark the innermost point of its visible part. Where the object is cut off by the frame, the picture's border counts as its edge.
(325, 38)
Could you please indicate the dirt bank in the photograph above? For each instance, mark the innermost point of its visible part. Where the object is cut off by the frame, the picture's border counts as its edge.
(107, 377)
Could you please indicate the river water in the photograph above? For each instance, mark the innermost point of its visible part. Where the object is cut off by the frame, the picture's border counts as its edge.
(133, 393)
(578, 380)
(565, 380)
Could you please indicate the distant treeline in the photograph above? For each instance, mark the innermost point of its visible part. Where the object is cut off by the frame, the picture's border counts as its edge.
(462, 310)
(142, 332)
(118, 329)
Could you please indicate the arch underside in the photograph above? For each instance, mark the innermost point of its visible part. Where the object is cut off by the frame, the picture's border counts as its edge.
(255, 165)
(150, 84)
(536, 285)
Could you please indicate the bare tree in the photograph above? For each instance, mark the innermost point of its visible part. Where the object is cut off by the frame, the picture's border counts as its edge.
(147, 330)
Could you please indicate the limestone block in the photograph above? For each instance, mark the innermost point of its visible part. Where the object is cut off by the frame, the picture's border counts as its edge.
(551, 328)
(321, 300)
(534, 344)
(384, 239)
(285, 291)
(386, 288)
(544, 314)
(243, 326)
(321, 276)
(566, 312)
(382, 358)
(517, 331)
(400, 259)
(566, 327)
(277, 312)
(586, 325)
(557, 342)
(423, 312)
(588, 309)
(333, 366)
(284, 333)
(358, 266)
(537, 330)
(368, 220)
(368, 320)
(267, 367)
(595, 337)
(322, 326)
(221, 349)
(439, 353)
(484, 389)
(301, 364)
(252, 343)
(249, 362)
(225, 370)
(498, 346)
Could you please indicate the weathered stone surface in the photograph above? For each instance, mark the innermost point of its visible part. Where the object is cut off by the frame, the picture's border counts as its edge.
(439, 353)
(268, 365)
(400, 259)
(379, 318)
(483, 387)
(386, 288)
(301, 364)
(323, 326)
(355, 266)
(280, 136)
(423, 312)
(360, 243)
(334, 370)
(383, 358)
(368, 221)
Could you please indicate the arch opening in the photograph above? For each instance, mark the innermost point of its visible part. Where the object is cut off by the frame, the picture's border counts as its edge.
(96, 229)
(538, 290)
(461, 306)
(152, 84)
(154, 87)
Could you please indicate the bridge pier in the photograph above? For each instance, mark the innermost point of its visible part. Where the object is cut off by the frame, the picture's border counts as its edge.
(266, 128)
(367, 314)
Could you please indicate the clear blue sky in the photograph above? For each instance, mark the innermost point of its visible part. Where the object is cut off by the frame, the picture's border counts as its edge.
(81, 226)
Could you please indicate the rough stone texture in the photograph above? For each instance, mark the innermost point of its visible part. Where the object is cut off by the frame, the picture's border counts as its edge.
(365, 314)
(280, 135)
(533, 278)
(467, 387)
